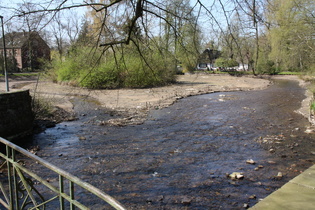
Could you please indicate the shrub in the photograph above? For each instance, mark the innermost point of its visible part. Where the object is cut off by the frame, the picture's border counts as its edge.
(128, 69)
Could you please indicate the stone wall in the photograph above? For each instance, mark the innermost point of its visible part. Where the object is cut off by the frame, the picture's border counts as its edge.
(16, 116)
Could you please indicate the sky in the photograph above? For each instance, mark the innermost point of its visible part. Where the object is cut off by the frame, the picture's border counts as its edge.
(6, 10)
(7, 6)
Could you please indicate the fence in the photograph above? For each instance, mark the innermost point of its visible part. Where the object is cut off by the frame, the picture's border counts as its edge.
(22, 188)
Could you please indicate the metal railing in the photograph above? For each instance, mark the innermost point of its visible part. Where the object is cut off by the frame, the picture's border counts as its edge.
(22, 188)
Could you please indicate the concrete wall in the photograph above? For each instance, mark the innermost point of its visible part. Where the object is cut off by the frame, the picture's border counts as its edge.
(16, 116)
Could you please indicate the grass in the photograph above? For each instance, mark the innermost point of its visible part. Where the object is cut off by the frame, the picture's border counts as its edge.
(24, 74)
(290, 73)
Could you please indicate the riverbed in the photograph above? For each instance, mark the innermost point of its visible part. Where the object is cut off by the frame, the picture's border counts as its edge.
(182, 156)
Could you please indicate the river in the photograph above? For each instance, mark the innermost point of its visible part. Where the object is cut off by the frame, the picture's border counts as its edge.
(182, 156)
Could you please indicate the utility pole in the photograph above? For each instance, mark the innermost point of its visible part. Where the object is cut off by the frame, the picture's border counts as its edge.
(4, 57)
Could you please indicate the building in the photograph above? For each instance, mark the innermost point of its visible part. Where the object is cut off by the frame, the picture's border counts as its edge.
(207, 58)
(27, 48)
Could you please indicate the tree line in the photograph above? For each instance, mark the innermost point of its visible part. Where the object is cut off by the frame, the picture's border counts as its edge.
(142, 43)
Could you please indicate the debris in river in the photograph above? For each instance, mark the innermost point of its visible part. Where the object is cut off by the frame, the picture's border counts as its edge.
(252, 197)
(258, 167)
(250, 161)
(186, 201)
(82, 138)
(236, 175)
(155, 174)
(279, 175)
(34, 149)
(309, 130)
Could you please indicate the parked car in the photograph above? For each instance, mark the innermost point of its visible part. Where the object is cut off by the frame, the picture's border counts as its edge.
(203, 67)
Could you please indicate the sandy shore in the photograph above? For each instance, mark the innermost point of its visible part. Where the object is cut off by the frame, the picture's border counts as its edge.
(124, 99)
(139, 101)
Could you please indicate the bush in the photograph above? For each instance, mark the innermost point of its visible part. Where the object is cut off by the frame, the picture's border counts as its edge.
(129, 69)
(267, 67)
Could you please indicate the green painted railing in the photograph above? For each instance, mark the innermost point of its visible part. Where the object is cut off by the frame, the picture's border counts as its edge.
(22, 188)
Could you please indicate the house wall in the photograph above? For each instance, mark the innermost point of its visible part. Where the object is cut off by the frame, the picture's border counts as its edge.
(16, 116)
(17, 54)
(18, 57)
(40, 50)
(29, 49)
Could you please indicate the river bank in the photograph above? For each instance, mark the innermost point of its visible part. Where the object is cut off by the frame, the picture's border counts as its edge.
(133, 104)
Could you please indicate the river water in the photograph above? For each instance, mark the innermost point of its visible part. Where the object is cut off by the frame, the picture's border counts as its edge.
(180, 158)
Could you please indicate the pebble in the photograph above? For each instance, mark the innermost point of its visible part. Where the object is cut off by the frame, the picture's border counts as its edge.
(279, 175)
(236, 175)
(82, 138)
(155, 174)
(186, 201)
(309, 130)
(250, 161)
(252, 197)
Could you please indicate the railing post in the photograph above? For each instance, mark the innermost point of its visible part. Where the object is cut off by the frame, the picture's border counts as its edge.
(61, 190)
(71, 193)
(15, 184)
(8, 153)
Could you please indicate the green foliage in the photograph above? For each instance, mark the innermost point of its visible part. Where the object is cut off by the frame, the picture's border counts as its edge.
(225, 62)
(292, 34)
(126, 67)
(11, 64)
(265, 66)
(313, 106)
(290, 73)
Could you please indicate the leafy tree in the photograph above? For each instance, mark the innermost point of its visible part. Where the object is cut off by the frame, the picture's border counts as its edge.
(268, 35)
(223, 62)
(182, 34)
(291, 34)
